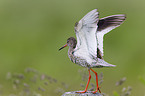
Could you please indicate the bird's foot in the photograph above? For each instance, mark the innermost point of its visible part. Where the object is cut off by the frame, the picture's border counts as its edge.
(97, 90)
(81, 91)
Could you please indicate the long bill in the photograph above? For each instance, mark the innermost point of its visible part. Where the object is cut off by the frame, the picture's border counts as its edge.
(62, 47)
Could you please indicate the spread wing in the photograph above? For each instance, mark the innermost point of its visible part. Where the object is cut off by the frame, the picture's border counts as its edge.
(107, 24)
(85, 31)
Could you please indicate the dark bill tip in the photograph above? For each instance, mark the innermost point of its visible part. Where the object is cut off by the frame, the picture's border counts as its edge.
(62, 47)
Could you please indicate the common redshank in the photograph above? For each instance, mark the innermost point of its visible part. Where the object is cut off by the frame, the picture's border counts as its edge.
(87, 51)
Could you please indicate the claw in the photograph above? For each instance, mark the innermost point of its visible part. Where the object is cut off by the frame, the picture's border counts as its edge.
(99, 89)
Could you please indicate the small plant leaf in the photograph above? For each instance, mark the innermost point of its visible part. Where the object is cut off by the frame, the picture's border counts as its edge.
(142, 80)
(115, 93)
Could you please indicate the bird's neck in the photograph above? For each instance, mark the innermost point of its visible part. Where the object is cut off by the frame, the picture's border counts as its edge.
(71, 49)
(70, 54)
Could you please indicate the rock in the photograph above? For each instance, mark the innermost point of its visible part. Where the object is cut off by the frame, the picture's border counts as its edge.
(88, 93)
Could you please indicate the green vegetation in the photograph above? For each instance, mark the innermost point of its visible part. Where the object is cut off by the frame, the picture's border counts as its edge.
(33, 83)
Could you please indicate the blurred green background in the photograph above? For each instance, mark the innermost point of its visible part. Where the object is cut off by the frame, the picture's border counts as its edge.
(32, 31)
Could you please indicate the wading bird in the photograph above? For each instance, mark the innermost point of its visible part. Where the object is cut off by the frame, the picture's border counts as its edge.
(87, 50)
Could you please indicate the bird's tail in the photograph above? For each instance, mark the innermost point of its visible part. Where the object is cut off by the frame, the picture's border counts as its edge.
(101, 63)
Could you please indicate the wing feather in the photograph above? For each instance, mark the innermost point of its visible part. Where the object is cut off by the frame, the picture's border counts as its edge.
(107, 24)
(85, 31)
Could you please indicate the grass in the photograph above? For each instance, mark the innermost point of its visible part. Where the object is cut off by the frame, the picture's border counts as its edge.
(34, 83)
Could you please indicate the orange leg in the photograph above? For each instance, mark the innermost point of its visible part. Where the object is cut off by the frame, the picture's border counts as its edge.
(87, 83)
(98, 88)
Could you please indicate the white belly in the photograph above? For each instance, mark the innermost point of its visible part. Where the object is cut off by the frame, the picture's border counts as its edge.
(83, 54)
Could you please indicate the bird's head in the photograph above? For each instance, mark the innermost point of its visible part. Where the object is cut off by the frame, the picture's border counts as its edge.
(71, 42)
